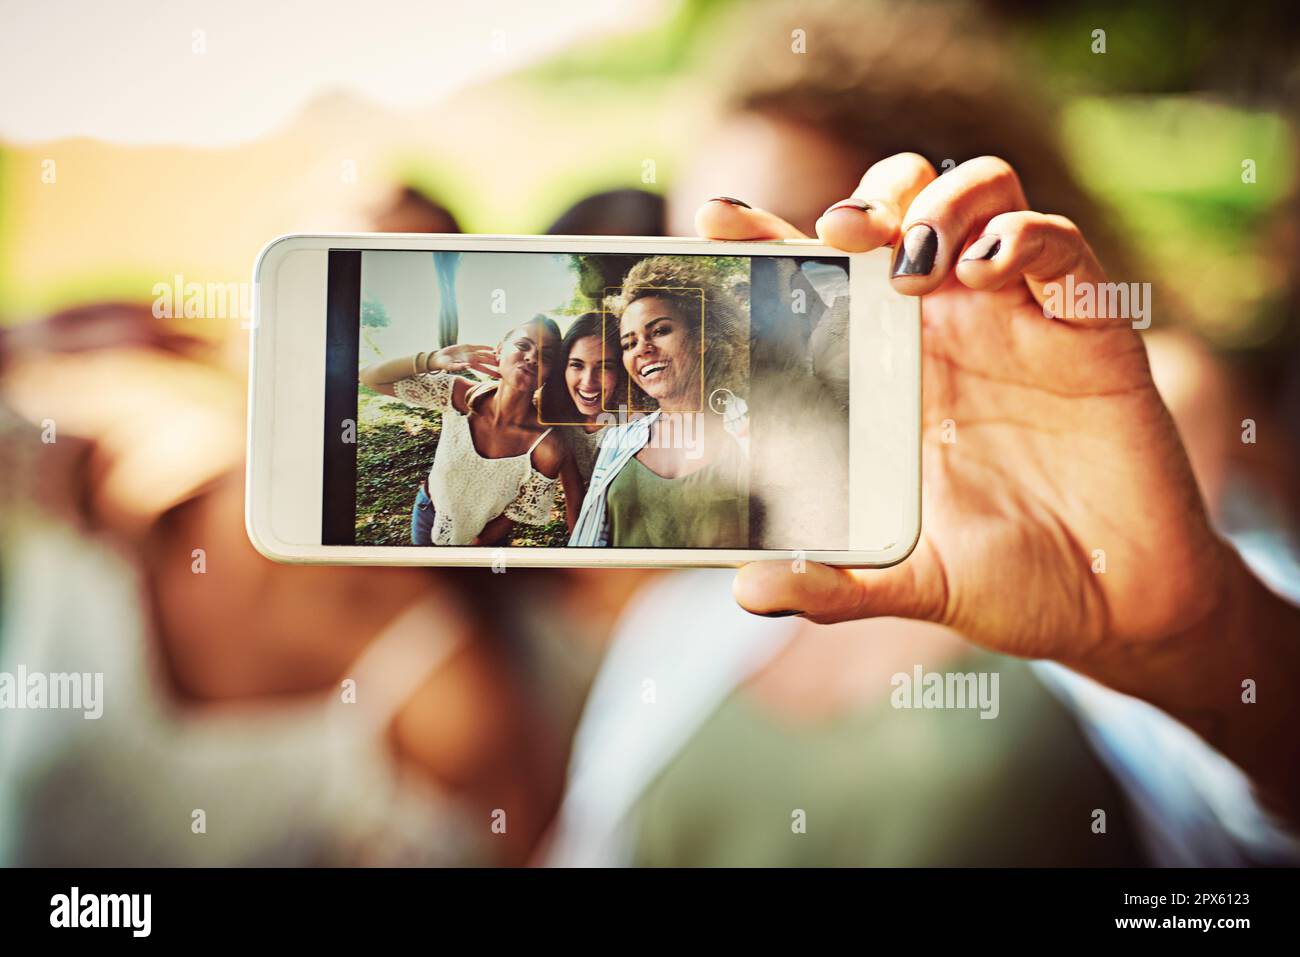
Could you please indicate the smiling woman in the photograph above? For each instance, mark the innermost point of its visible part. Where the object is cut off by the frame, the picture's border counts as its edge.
(495, 464)
(679, 328)
(684, 340)
(586, 381)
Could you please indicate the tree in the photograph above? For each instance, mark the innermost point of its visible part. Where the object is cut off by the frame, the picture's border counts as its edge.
(373, 314)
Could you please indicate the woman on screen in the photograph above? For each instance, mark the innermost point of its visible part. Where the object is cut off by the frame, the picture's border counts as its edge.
(496, 465)
(677, 477)
(585, 387)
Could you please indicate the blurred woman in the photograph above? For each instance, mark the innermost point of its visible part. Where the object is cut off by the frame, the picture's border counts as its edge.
(228, 733)
(810, 725)
(495, 465)
(585, 385)
(678, 477)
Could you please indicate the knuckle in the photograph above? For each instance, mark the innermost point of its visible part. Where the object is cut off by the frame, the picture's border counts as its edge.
(1004, 223)
(993, 168)
(916, 161)
(995, 173)
(902, 165)
(1066, 227)
(1012, 227)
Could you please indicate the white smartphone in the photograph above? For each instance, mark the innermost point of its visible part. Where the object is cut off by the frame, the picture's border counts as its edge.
(580, 401)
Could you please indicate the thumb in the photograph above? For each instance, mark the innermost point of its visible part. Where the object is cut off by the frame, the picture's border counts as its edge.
(825, 594)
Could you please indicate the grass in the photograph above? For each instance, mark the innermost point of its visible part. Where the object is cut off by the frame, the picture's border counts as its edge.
(396, 443)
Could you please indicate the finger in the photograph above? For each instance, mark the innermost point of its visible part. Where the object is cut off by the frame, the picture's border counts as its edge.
(482, 357)
(872, 215)
(1044, 250)
(825, 594)
(937, 225)
(486, 368)
(726, 218)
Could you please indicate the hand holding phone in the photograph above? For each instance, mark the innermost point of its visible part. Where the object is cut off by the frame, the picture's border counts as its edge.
(1063, 520)
(1062, 516)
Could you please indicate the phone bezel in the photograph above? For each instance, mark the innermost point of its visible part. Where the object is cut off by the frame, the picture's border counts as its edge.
(287, 357)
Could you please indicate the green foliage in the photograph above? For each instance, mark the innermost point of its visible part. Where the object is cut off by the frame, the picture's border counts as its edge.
(373, 314)
(395, 446)
(634, 58)
(599, 274)
(729, 271)
(1170, 172)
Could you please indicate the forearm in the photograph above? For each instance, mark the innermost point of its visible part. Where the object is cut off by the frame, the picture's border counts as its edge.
(1232, 680)
(573, 495)
(571, 511)
(495, 531)
(393, 370)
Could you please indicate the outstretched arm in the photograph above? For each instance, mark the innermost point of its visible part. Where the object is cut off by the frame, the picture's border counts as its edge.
(495, 532)
(380, 376)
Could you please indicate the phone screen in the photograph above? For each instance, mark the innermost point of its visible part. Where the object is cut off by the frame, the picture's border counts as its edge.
(593, 400)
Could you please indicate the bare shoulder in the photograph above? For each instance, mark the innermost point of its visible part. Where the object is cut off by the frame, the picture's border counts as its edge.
(460, 390)
(549, 456)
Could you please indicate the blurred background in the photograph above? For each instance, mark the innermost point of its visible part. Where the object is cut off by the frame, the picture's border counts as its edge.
(146, 146)
(184, 135)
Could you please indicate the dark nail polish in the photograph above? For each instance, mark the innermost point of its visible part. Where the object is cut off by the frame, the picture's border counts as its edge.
(779, 614)
(859, 204)
(986, 247)
(917, 251)
(733, 202)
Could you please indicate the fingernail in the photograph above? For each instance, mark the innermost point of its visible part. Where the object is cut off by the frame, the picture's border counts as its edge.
(986, 247)
(778, 614)
(915, 256)
(734, 202)
(861, 205)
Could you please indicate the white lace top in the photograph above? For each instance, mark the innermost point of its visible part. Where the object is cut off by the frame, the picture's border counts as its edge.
(468, 490)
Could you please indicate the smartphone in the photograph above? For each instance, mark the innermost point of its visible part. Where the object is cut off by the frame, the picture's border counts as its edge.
(580, 401)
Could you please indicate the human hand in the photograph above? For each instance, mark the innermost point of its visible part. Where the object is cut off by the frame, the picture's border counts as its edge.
(1064, 456)
(462, 356)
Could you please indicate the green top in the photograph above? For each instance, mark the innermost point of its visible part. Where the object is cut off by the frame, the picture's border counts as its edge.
(889, 787)
(708, 508)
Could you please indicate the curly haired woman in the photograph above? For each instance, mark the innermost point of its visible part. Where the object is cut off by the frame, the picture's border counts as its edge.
(677, 477)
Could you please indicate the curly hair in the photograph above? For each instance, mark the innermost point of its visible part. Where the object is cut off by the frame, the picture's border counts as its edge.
(682, 281)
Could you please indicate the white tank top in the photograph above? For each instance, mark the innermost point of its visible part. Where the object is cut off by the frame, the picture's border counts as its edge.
(468, 490)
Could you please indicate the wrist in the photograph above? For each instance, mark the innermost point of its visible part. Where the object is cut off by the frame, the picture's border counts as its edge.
(1229, 678)
(1175, 670)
